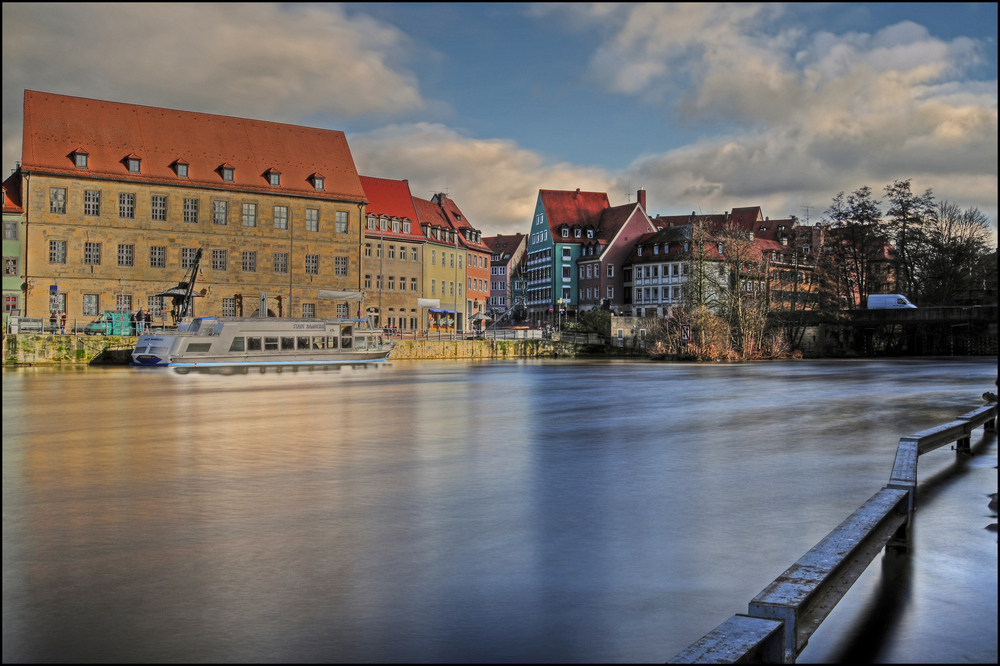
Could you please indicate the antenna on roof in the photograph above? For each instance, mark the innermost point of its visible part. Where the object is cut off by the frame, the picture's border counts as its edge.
(628, 192)
(806, 209)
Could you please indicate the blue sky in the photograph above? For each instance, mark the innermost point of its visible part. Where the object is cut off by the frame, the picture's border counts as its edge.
(705, 106)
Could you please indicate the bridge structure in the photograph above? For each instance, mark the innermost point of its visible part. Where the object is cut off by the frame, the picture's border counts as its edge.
(780, 620)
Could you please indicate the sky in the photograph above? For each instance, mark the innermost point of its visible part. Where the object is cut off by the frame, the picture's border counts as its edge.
(705, 106)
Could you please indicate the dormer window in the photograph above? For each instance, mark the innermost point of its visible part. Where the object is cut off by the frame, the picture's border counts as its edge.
(577, 233)
(720, 248)
(80, 158)
(227, 171)
(565, 233)
(273, 177)
(318, 182)
(656, 249)
(590, 233)
(133, 163)
(639, 251)
(180, 167)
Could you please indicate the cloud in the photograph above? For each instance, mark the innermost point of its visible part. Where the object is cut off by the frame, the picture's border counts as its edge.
(265, 61)
(798, 116)
(495, 182)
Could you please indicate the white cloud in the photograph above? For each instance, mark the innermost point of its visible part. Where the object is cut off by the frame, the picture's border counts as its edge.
(803, 122)
(495, 182)
(265, 61)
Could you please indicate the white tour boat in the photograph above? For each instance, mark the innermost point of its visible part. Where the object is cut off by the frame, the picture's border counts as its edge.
(207, 343)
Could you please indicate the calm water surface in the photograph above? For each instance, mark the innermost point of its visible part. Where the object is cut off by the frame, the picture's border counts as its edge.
(530, 512)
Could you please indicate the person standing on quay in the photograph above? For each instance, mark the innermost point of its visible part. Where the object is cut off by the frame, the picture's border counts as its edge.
(62, 323)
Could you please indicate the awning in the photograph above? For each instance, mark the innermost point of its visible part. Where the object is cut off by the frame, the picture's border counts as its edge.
(444, 311)
(428, 302)
(339, 295)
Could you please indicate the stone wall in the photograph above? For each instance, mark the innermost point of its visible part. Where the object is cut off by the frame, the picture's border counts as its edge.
(31, 349)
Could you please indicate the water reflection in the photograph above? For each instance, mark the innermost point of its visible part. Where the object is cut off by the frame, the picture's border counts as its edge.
(454, 511)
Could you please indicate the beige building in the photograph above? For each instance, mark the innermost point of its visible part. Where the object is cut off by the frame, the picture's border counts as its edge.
(118, 198)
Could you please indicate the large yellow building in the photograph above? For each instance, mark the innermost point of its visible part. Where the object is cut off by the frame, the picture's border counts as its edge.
(118, 198)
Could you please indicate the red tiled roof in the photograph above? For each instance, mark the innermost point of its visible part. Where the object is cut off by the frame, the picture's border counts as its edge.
(56, 125)
(12, 194)
(445, 213)
(573, 207)
(389, 197)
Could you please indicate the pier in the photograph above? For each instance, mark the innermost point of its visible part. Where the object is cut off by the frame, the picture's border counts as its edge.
(780, 620)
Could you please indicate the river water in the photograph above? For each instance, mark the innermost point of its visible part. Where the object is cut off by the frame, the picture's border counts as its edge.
(497, 511)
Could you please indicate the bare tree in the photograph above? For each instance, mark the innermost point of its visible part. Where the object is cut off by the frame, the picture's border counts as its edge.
(957, 241)
(906, 220)
(855, 240)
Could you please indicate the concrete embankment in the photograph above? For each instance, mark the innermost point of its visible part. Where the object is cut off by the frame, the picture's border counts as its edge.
(55, 350)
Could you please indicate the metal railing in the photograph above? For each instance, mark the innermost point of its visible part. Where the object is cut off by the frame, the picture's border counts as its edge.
(781, 619)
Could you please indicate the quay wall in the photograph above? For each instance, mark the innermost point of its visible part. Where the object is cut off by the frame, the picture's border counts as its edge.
(54, 350)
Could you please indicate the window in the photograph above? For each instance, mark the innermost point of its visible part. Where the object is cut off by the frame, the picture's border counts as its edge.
(308, 311)
(218, 260)
(433, 257)
(343, 219)
(452, 259)
(319, 183)
(91, 254)
(567, 253)
(413, 284)
(126, 205)
(182, 170)
(249, 261)
(378, 250)
(159, 208)
(155, 304)
(158, 256)
(565, 233)
(249, 215)
(392, 251)
(340, 266)
(220, 211)
(10, 230)
(91, 305)
(57, 199)
(124, 302)
(134, 165)
(92, 202)
(406, 226)
(280, 262)
(413, 254)
(190, 210)
(229, 310)
(451, 288)
(341, 310)
(10, 266)
(228, 174)
(368, 281)
(392, 283)
(312, 219)
(312, 264)
(368, 249)
(188, 255)
(10, 303)
(281, 217)
(433, 287)
(371, 223)
(80, 159)
(274, 178)
(378, 282)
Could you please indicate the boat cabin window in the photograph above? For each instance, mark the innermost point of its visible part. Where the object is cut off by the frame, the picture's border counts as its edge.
(270, 344)
(253, 344)
(303, 343)
(345, 337)
(331, 341)
(238, 345)
(198, 347)
(319, 343)
(288, 343)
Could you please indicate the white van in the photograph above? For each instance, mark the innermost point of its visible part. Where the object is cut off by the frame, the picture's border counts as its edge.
(888, 302)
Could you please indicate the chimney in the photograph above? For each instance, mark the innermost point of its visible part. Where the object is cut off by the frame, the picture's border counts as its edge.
(640, 196)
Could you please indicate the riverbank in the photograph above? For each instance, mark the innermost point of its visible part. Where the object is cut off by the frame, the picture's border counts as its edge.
(55, 350)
